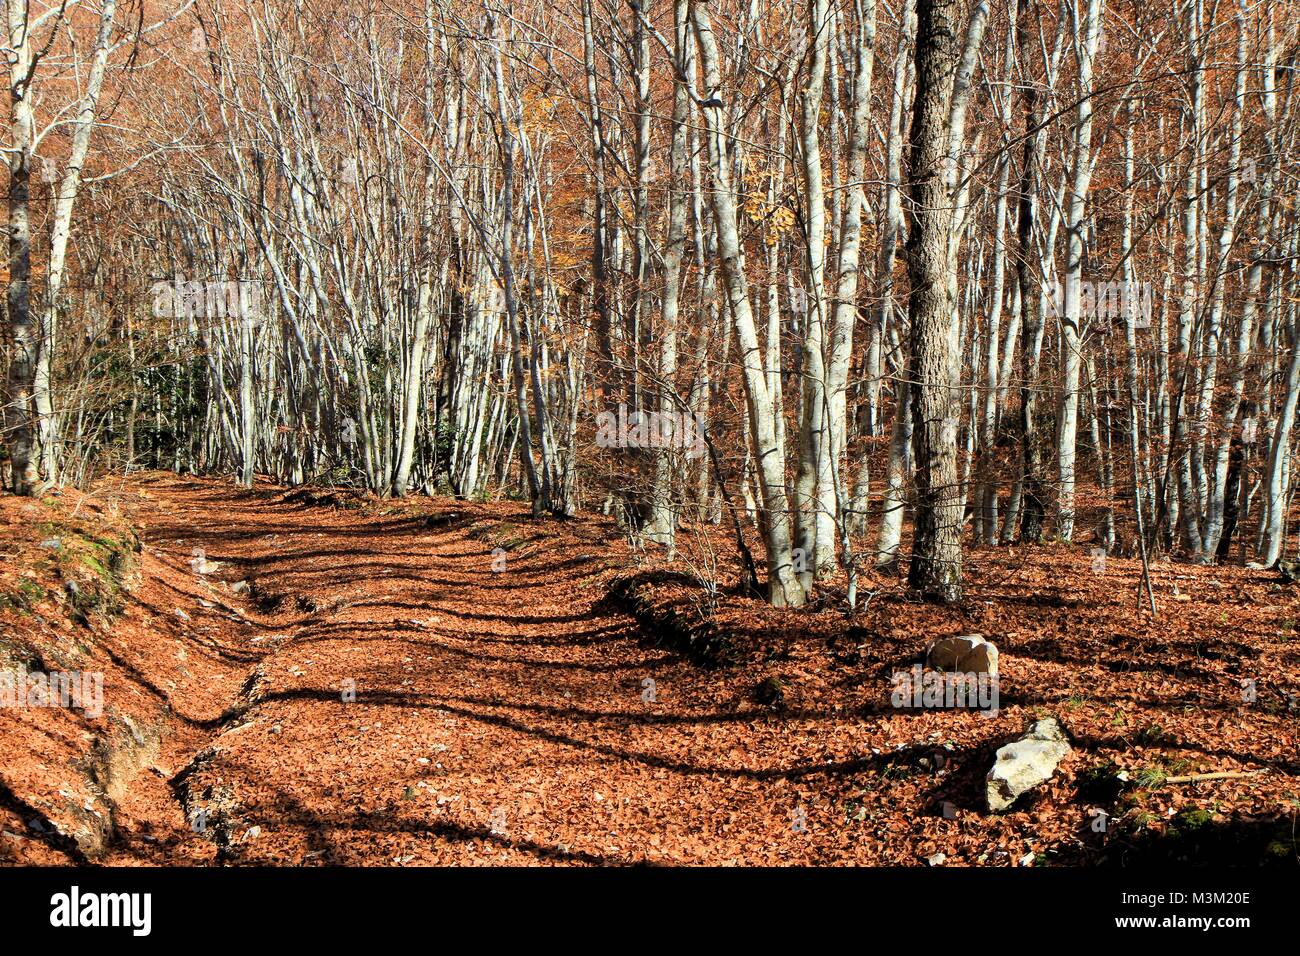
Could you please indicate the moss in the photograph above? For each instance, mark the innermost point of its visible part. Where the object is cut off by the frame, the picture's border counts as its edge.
(94, 564)
(1201, 836)
(1192, 819)
(23, 599)
(1280, 851)
(90, 573)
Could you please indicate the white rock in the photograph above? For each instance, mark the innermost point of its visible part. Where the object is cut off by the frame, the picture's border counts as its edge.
(1026, 763)
(967, 654)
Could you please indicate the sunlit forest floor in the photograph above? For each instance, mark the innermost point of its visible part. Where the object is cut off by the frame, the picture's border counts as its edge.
(316, 677)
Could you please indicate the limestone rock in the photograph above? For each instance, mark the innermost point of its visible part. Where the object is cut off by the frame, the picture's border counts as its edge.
(968, 654)
(1026, 763)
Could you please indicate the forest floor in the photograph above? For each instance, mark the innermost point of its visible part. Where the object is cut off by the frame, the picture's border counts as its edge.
(300, 678)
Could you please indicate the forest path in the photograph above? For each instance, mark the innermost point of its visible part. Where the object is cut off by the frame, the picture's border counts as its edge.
(500, 716)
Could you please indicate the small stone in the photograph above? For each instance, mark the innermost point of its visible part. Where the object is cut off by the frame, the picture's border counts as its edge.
(1025, 763)
(53, 544)
(202, 566)
(182, 615)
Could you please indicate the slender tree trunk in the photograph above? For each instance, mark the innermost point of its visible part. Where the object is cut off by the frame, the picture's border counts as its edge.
(1072, 317)
(662, 524)
(784, 588)
(814, 526)
(23, 330)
